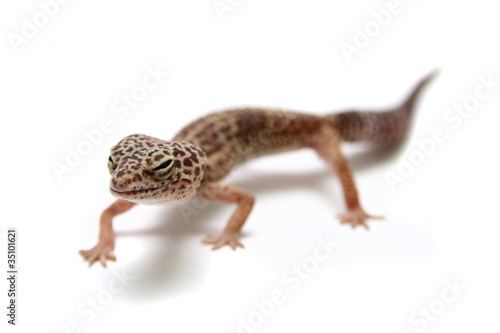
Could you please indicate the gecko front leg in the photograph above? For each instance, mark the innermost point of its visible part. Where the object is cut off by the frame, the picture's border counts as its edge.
(228, 194)
(327, 145)
(104, 249)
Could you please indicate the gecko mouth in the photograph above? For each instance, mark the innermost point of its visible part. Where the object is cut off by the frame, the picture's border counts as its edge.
(119, 193)
(134, 193)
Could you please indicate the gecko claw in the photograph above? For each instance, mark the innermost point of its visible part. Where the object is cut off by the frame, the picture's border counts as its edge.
(100, 253)
(357, 217)
(223, 239)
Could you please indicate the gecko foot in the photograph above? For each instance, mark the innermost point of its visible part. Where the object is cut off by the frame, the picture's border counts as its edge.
(356, 217)
(224, 238)
(100, 252)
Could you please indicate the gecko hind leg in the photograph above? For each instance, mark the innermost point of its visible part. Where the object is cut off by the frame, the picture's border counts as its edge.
(327, 145)
(228, 194)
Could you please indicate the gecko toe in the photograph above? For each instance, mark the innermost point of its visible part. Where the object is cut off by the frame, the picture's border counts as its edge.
(100, 252)
(103, 262)
(230, 239)
(357, 217)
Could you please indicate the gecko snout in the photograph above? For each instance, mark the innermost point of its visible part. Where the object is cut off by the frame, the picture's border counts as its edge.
(128, 176)
(124, 182)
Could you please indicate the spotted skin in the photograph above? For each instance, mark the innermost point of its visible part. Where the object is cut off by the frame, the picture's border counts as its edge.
(148, 170)
(132, 166)
(232, 137)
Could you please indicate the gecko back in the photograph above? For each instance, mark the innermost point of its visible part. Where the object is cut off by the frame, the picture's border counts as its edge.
(232, 137)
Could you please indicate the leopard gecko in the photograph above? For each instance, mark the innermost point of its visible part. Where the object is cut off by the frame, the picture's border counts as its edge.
(147, 170)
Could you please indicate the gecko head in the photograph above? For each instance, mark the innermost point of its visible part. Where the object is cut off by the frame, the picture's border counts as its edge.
(152, 171)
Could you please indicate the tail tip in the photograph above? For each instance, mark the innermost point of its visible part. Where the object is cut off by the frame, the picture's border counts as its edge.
(432, 74)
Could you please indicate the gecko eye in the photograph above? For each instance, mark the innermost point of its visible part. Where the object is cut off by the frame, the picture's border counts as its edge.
(111, 165)
(164, 170)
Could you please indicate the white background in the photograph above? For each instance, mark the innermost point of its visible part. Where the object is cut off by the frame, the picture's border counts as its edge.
(441, 224)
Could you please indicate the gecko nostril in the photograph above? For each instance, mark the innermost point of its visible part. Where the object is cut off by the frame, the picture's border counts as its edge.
(128, 182)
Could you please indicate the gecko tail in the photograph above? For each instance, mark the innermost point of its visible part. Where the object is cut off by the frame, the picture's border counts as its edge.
(378, 127)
